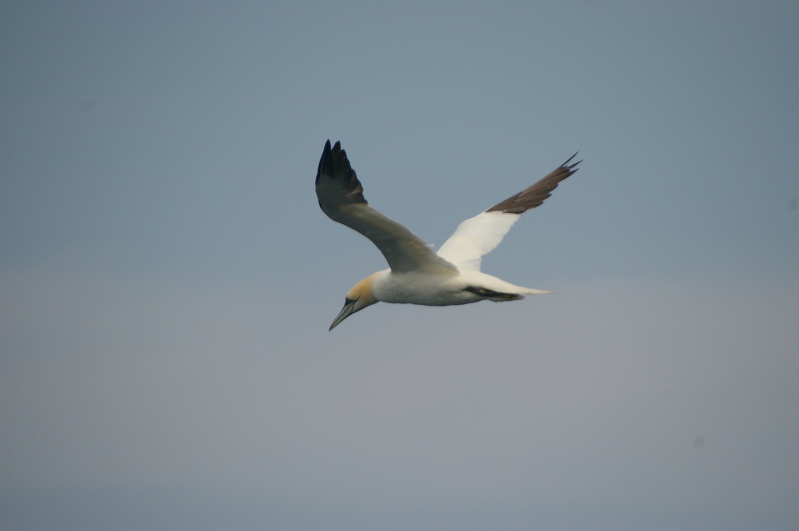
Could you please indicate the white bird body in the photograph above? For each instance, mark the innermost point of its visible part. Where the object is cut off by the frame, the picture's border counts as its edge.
(417, 274)
(442, 289)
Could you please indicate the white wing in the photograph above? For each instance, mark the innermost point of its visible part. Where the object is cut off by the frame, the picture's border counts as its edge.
(475, 237)
(340, 196)
(481, 234)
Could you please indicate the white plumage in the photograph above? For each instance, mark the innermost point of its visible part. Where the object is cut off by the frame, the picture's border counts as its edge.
(417, 274)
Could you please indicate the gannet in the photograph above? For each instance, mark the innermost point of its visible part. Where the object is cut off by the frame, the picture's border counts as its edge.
(417, 274)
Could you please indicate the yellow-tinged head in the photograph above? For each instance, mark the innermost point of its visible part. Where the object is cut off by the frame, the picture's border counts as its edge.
(358, 298)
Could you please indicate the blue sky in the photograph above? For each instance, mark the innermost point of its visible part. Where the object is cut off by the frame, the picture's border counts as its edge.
(167, 278)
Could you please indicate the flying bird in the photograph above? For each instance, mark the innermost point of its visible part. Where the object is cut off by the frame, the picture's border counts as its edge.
(417, 274)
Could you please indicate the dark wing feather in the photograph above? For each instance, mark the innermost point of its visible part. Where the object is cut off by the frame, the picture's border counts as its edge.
(534, 195)
(340, 196)
(335, 165)
(481, 234)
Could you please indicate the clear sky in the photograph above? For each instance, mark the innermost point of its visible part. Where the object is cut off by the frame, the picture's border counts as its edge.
(167, 278)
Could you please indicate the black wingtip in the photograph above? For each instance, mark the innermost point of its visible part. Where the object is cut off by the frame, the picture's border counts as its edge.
(568, 167)
(325, 156)
(335, 165)
(535, 195)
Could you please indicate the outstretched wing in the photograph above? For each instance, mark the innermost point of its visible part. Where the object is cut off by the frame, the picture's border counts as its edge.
(340, 196)
(481, 234)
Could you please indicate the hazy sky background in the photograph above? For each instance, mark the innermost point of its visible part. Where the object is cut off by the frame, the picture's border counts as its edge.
(167, 278)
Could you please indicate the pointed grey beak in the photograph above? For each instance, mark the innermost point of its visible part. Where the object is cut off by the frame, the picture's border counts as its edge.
(346, 311)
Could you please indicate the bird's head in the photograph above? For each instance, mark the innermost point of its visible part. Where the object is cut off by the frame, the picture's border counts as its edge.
(358, 298)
